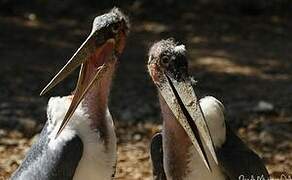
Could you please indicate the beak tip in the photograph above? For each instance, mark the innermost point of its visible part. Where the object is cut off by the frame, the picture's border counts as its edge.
(216, 160)
(42, 93)
(58, 133)
(45, 90)
(206, 162)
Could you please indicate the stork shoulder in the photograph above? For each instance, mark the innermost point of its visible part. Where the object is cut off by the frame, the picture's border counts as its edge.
(213, 111)
(56, 110)
(42, 162)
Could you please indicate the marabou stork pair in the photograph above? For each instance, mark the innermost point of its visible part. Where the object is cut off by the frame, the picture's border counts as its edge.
(79, 142)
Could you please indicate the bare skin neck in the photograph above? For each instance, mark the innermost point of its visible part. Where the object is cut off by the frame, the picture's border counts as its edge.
(96, 100)
(175, 144)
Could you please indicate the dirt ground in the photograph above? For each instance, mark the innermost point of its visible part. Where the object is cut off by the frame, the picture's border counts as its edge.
(243, 59)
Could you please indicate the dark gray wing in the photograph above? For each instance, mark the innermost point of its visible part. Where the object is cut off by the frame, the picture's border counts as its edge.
(237, 160)
(157, 157)
(43, 163)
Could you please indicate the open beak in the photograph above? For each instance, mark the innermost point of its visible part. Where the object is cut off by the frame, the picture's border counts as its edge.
(93, 58)
(182, 100)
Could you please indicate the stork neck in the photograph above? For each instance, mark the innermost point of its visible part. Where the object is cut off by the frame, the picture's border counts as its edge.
(171, 126)
(96, 101)
(175, 144)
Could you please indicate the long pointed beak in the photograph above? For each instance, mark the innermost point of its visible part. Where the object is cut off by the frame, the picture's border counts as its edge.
(84, 84)
(88, 50)
(80, 91)
(182, 100)
(80, 56)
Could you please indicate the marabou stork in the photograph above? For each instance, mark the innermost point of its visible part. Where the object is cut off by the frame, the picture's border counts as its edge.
(184, 148)
(78, 140)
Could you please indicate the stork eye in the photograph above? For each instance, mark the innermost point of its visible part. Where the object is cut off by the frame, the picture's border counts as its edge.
(164, 61)
(115, 28)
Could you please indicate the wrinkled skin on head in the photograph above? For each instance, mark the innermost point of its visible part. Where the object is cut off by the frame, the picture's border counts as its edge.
(167, 57)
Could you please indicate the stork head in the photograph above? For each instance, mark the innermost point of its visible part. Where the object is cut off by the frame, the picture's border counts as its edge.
(167, 58)
(97, 56)
(168, 68)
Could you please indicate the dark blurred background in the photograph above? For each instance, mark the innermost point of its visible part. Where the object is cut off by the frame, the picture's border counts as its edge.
(239, 52)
